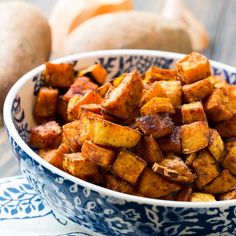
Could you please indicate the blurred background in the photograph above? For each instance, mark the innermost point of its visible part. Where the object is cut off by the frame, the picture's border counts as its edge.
(202, 25)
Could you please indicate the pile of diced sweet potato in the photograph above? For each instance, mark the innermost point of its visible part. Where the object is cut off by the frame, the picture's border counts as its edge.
(165, 134)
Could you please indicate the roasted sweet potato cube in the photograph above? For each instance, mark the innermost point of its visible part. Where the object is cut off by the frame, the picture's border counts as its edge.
(48, 135)
(194, 136)
(174, 169)
(62, 110)
(202, 197)
(197, 91)
(206, 168)
(217, 106)
(152, 152)
(76, 101)
(232, 97)
(96, 72)
(77, 165)
(124, 99)
(117, 81)
(193, 67)
(99, 155)
(54, 156)
(171, 143)
(189, 158)
(216, 145)
(95, 108)
(153, 185)
(173, 91)
(158, 125)
(193, 112)
(156, 73)
(59, 75)
(81, 86)
(128, 166)
(117, 184)
(157, 105)
(229, 161)
(184, 194)
(228, 196)
(151, 91)
(222, 184)
(106, 133)
(227, 128)
(227, 146)
(71, 134)
(46, 102)
(218, 81)
(102, 90)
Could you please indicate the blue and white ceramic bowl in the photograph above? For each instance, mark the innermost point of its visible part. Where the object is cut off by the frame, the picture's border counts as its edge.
(103, 210)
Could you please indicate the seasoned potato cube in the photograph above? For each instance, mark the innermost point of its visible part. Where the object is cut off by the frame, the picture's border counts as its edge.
(227, 128)
(189, 158)
(217, 105)
(46, 102)
(228, 196)
(218, 81)
(193, 112)
(222, 184)
(152, 152)
(116, 81)
(59, 75)
(171, 143)
(184, 194)
(174, 169)
(47, 135)
(76, 101)
(71, 134)
(106, 133)
(77, 165)
(155, 186)
(157, 105)
(232, 97)
(229, 161)
(54, 156)
(102, 90)
(206, 168)
(173, 91)
(151, 91)
(156, 73)
(193, 67)
(128, 166)
(117, 184)
(62, 110)
(95, 108)
(99, 155)
(81, 86)
(197, 91)
(158, 125)
(123, 100)
(202, 197)
(194, 136)
(216, 145)
(96, 72)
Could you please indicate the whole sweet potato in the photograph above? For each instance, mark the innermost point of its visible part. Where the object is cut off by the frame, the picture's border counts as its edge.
(25, 42)
(128, 29)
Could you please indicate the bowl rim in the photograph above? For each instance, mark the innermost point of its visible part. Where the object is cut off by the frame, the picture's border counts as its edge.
(9, 125)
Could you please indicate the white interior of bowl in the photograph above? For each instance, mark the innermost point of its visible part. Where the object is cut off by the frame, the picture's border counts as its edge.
(22, 87)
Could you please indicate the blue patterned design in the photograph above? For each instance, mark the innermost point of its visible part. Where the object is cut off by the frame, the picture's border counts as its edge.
(113, 216)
